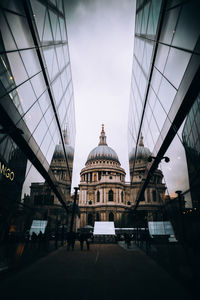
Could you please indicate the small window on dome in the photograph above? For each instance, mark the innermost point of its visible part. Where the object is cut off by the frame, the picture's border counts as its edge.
(110, 177)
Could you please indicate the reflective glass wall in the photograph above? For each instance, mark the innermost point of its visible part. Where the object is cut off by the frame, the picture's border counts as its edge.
(36, 105)
(164, 86)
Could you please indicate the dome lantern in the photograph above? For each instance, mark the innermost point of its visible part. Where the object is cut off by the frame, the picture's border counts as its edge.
(102, 151)
(142, 152)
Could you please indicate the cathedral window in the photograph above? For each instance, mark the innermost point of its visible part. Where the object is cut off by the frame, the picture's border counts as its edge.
(122, 196)
(99, 175)
(98, 196)
(111, 216)
(110, 195)
(97, 217)
(95, 177)
(90, 219)
(154, 196)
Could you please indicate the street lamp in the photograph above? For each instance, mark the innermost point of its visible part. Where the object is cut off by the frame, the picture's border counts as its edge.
(166, 158)
(73, 209)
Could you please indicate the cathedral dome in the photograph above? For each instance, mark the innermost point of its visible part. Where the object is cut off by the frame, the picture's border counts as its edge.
(59, 153)
(102, 151)
(142, 152)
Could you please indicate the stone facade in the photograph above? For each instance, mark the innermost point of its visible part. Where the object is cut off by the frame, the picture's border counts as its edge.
(105, 196)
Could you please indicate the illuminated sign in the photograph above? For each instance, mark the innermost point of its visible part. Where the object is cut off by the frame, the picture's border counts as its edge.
(160, 228)
(104, 228)
(6, 172)
(37, 226)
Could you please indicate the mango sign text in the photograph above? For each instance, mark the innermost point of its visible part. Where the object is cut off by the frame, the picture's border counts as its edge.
(6, 172)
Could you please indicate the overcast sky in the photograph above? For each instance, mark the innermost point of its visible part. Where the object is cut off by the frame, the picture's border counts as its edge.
(101, 36)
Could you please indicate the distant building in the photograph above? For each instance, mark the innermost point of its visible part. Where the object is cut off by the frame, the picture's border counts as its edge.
(104, 194)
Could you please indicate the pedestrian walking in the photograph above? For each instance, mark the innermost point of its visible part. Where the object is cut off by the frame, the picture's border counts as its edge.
(81, 240)
(71, 237)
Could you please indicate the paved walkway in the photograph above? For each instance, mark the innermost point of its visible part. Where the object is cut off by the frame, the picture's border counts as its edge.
(107, 271)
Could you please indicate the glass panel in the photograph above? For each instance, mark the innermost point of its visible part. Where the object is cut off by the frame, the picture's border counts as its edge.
(50, 152)
(31, 61)
(50, 58)
(54, 23)
(166, 94)
(26, 95)
(64, 80)
(160, 114)
(153, 17)
(53, 126)
(155, 132)
(17, 67)
(69, 77)
(145, 19)
(169, 25)
(151, 98)
(63, 30)
(13, 5)
(142, 86)
(33, 117)
(138, 22)
(66, 54)
(38, 84)
(53, 1)
(20, 30)
(61, 112)
(39, 15)
(59, 5)
(57, 90)
(40, 132)
(187, 30)
(47, 35)
(49, 115)
(156, 80)
(175, 172)
(140, 50)
(7, 38)
(44, 102)
(161, 57)
(176, 65)
(6, 76)
(45, 143)
(60, 57)
(148, 50)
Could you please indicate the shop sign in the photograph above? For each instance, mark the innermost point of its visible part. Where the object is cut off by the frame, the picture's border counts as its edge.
(6, 172)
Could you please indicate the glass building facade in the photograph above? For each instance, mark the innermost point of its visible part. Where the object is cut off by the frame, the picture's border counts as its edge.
(164, 101)
(36, 105)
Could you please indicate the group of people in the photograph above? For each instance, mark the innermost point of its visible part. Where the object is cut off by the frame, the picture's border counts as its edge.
(82, 237)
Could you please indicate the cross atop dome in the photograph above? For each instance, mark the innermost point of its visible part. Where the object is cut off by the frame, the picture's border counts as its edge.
(102, 138)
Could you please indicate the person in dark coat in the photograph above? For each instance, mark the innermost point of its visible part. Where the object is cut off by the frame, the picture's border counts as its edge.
(81, 240)
(71, 237)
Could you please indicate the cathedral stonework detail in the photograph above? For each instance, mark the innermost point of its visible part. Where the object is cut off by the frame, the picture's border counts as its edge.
(105, 196)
